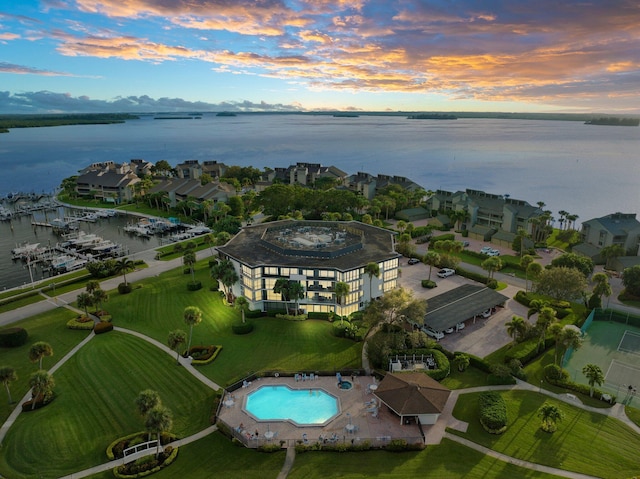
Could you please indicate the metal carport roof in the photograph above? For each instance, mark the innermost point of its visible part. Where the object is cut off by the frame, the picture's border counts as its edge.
(447, 309)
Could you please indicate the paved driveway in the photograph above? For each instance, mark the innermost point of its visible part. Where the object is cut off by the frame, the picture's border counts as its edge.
(479, 338)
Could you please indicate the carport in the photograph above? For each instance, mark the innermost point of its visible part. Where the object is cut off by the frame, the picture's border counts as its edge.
(450, 308)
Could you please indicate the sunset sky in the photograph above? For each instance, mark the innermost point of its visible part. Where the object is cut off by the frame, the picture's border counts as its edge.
(275, 55)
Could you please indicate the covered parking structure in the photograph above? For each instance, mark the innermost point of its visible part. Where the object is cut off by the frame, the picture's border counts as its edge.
(459, 304)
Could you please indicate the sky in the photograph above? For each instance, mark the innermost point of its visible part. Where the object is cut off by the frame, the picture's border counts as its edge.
(308, 55)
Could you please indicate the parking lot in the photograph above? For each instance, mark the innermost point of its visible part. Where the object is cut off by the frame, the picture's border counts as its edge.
(480, 337)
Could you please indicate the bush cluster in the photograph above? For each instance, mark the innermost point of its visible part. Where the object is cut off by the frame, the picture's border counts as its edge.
(78, 323)
(13, 337)
(194, 285)
(444, 237)
(146, 465)
(527, 350)
(124, 288)
(203, 354)
(493, 412)
(427, 283)
(560, 377)
(102, 327)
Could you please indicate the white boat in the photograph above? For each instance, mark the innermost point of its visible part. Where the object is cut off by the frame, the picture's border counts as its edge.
(61, 262)
(24, 250)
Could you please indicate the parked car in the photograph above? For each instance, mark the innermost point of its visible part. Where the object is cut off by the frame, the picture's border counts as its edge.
(486, 249)
(429, 331)
(493, 252)
(449, 330)
(486, 314)
(460, 326)
(413, 261)
(465, 244)
(446, 272)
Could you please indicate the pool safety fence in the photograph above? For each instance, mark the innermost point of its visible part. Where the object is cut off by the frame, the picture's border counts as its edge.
(346, 373)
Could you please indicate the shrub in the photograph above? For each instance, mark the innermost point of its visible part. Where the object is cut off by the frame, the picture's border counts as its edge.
(527, 350)
(215, 285)
(479, 363)
(340, 328)
(553, 372)
(445, 237)
(194, 285)
(102, 327)
(493, 412)
(78, 323)
(523, 298)
(427, 283)
(319, 315)
(13, 337)
(492, 283)
(124, 288)
(203, 354)
(242, 328)
(443, 366)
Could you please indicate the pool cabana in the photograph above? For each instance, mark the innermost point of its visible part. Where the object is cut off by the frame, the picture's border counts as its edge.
(413, 395)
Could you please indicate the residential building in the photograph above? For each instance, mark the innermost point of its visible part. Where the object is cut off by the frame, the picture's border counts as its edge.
(108, 181)
(304, 174)
(368, 185)
(318, 254)
(179, 189)
(614, 229)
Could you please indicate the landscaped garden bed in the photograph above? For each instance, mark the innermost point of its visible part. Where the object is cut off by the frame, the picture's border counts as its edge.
(143, 466)
(203, 354)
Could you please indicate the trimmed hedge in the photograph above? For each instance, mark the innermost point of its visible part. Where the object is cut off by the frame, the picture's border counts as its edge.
(194, 285)
(80, 324)
(242, 328)
(319, 315)
(527, 350)
(124, 288)
(203, 354)
(493, 412)
(480, 278)
(13, 337)
(427, 283)
(444, 237)
(102, 327)
(559, 377)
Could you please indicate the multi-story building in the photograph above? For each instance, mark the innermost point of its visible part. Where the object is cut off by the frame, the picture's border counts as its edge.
(318, 254)
(614, 229)
(109, 181)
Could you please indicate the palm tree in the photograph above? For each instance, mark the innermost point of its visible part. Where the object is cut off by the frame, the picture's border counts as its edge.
(85, 300)
(208, 240)
(516, 327)
(123, 266)
(567, 336)
(146, 401)
(189, 259)
(535, 307)
(602, 286)
(525, 261)
(226, 274)
(341, 289)
(462, 361)
(175, 339)
(92, 285)
(594, 375)
(296, 292)
(41, 384)
(39, 350)
(432, 259)
(281, 287)
(491, 265)
(192, 316)
(546, 317)
(372, 269)
(612, 252)
(98, 297)
(241, 303)
(7, 376)
(550, 415)
(158, 420)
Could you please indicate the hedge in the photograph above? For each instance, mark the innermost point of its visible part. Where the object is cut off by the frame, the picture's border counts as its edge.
(194, 285)
(480, 278)
(102, 327)
(13, 337)
(124, 288)
(427, 283)
(75, 323)
(559, 377)
(242, 328)
(493, 412)
(527, 350)
(319, 315)
(444, 237)
(209, 354)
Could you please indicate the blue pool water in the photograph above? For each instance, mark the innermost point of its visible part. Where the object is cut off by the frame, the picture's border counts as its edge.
(302, 406)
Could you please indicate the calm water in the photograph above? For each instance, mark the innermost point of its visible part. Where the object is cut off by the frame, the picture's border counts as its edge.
(586, 170)
(304, 406)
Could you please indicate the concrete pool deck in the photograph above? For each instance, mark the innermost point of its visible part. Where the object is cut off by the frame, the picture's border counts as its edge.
(353, 409)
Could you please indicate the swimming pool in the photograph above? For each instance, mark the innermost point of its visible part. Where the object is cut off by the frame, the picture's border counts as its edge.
(306, 407)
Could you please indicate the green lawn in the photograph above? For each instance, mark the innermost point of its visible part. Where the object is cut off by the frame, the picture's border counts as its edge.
(95, 404)
(157, 308)
(448, 460)
(572, 447)
(50, 327)
(470, 378)
(216, 456)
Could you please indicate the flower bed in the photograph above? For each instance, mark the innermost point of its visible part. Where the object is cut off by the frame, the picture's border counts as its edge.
(81, 322)
(203, 354)
(146, 465)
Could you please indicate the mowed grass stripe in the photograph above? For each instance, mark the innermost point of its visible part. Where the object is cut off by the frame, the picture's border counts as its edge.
(72, 433)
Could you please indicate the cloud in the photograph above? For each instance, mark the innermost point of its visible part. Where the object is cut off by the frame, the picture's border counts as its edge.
(24, 70)
(52, 102)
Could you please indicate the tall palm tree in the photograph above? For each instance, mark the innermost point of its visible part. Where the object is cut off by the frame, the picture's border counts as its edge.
(296, 292)
(491, 265)
(85, 300)
(226, 274)
(461, 361)
(7, 376)
(515, 328)
(567, 336)
(341, 289)
(175, 339)
(546, 317)
(158, 420)
(92, 285)
(594, 375)
(432, 259)
(281, 287)
(241, 303)
(611, 252)
(372, 269)
(39, 350)
(602, 287)
(189, 260)
(146, 401)
(550, 414)
(41, 384)
(124, 265)
(98, 297)
(525, 261)
(192, 316)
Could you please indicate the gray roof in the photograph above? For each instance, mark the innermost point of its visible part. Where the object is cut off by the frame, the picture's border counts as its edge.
(618, 224)
(250, 248)
(459, 304)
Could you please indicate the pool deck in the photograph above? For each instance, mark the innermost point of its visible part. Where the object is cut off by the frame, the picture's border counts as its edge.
(352, 409)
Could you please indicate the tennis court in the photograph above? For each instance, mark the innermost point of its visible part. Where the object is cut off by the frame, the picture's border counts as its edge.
(615, 347)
